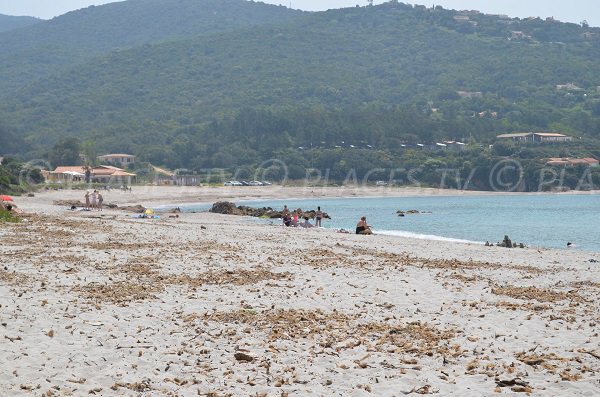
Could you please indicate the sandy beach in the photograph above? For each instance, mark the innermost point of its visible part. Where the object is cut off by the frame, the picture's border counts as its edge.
(100, 303)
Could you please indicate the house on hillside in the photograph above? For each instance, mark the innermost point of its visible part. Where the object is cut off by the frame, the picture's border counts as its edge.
(551, 137)
(117, 159)
(470, 94)
(570, 162)
(517, 137)
(518, 35)
(461, 18)
(454, 145)
(541, 137)
(568, 87)
(101, 174)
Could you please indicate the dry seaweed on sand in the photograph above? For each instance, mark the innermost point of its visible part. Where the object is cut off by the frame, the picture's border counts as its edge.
(235, 277)
(121, 293)
(338, 330)
(534, 293)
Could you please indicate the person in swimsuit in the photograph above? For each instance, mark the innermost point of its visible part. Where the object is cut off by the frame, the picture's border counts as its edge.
(318, 217)
(94, 200)
(362, 227)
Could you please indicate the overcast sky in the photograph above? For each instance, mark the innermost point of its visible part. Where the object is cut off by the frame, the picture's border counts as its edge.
(567, 11)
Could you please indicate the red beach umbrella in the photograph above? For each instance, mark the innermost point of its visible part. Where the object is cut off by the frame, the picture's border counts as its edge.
(4, 197)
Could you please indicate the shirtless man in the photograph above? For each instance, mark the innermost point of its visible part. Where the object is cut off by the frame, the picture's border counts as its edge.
(362, 227)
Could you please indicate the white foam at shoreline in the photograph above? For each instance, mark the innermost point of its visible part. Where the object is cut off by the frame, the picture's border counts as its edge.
(400, 233)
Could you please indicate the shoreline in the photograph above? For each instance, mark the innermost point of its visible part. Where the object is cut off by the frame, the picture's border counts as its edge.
(163, 199)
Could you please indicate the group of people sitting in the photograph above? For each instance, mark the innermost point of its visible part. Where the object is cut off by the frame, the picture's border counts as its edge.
(293, 218)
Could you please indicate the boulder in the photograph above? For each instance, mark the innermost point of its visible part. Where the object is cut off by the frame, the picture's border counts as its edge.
(411, 212)
(229, 208)
(224, 207)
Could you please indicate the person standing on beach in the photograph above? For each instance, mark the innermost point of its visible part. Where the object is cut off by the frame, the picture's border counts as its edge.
(318, 217)
(100, 200)
(87, 200)
(94, 199)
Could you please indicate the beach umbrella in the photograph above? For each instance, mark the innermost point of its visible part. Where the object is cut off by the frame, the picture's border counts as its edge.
(4, 197)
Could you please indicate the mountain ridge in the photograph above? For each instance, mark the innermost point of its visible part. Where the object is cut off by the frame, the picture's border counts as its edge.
(320, 77)
(30, 54)
(11, 22)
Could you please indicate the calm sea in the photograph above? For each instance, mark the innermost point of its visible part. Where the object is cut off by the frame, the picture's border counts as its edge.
(536, 220)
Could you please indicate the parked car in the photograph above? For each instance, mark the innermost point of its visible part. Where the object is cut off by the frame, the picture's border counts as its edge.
(265, 183)
(381, 183)
(232, 183)
(255, 183)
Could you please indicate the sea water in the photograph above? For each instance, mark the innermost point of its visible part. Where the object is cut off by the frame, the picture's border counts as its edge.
(544, 220)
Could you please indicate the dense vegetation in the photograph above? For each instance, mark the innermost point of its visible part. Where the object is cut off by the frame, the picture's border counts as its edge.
(9, 22)
(27, 55)
(17, 177)
(341, 90)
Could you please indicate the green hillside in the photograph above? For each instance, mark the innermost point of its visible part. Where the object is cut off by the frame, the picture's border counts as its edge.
(372, 79)
(9, 22)
(37, 52)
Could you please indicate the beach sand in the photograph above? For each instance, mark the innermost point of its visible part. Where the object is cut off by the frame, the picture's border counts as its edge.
(100, 303)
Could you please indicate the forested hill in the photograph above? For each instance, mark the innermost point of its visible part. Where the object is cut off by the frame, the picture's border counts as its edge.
(45, 48)
(382, 76)
(9, 22)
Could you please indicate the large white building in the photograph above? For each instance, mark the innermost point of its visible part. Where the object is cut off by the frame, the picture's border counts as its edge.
(543, 137)
(121, 159)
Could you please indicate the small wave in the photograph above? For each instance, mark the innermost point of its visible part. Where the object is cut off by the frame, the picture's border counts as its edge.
(400, 233)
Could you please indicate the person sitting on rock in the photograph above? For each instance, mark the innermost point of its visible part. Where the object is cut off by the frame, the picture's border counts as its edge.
(287, 220)
(295, 218)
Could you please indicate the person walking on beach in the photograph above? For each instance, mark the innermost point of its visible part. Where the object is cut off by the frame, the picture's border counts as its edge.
(87, 200)
(100, 200)
(318, 217)
(362, 227)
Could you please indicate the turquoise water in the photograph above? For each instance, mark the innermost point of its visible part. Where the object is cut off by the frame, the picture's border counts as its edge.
(536, 220)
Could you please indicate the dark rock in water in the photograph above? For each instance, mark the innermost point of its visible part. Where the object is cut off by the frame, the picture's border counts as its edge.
(507, 243)
(229, 208)
(411, 212)
(224, 207)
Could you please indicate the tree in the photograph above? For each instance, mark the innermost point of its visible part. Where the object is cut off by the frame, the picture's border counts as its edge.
(66, 152)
